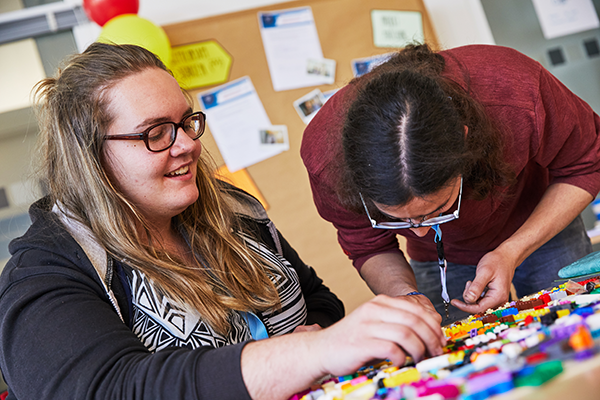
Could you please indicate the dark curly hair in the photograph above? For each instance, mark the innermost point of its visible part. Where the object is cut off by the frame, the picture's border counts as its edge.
(404, 134)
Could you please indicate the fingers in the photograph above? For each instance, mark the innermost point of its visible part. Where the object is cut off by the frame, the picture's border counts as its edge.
(380, 349)
(473, 290)
(472, 308)
(467, 286)
(428, 305)
(411, 311)
(435, 319)
(395, 338)
(492, 298)
(384, 327)
(307, 328)
(406, 314)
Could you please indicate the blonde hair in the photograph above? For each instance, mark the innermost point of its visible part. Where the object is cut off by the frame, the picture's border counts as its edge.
(74, 117)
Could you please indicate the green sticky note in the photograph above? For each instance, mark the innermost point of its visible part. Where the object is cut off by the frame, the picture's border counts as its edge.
(396, 28)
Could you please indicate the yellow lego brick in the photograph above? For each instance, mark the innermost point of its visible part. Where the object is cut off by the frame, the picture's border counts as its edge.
(408, 376)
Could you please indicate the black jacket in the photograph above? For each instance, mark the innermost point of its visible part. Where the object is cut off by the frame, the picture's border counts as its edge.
(61, 338)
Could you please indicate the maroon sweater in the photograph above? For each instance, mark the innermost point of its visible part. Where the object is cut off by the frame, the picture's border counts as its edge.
(551, 137)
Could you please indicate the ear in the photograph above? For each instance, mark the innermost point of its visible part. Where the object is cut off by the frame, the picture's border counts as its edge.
(466, 131)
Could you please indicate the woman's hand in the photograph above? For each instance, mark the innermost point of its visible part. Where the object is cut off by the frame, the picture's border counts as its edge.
(383, 328)
(491, 286)
(307, 328)
(424, 302)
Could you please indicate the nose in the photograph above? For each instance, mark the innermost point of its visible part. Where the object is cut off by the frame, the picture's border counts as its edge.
(183, 143)
(421, 231)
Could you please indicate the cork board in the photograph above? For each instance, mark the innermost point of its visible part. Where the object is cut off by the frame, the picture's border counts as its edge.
(345, 33)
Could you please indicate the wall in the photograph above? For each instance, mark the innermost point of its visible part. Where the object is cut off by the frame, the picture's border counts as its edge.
(16, 185)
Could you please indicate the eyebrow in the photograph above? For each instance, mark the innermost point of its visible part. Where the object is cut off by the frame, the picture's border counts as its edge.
(153, 121)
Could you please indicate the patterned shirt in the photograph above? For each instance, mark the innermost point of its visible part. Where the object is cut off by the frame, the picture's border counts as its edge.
(161, 322)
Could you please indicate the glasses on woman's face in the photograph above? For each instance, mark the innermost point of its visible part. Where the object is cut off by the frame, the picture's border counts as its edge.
(442, 219)
(161, 136)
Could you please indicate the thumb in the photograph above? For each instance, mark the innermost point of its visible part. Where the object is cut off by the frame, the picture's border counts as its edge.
(474, 289)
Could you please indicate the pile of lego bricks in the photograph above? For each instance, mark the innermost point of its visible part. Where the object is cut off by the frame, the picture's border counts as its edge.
(523, 343)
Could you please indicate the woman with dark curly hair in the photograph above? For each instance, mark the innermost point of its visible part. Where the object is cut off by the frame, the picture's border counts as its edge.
(477, 155)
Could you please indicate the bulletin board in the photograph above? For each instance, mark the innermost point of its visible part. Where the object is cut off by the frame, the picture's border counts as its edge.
(345, 33)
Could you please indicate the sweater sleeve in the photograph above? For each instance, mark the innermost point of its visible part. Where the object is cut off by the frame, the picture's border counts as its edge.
(568, 139)
(61, 339)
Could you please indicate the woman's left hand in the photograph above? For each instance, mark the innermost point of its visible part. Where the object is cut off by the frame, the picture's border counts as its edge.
(491, 286)
(307, 328)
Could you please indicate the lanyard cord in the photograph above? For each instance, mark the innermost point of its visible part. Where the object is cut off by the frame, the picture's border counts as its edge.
(442, 264)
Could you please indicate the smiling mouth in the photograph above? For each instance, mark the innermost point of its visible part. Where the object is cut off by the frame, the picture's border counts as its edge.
(181, 171)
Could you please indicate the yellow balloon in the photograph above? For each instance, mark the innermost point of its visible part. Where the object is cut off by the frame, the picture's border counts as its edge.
(131, 29)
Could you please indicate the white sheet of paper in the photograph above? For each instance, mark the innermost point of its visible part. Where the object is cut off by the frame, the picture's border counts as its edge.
(565, 17)
(235, 114)
(290, 38)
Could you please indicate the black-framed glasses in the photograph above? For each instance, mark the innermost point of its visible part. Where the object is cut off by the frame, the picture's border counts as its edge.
(161, 136)
(442, 219)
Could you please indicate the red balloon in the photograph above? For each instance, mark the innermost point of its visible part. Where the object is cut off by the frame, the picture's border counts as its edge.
(101, 11)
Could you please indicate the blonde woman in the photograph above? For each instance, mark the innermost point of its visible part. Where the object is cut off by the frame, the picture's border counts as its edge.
(144, 277)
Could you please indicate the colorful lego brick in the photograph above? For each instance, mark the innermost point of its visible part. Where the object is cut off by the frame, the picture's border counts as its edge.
(535, 376)
(403, 377)
(518, 344)
(581, 339)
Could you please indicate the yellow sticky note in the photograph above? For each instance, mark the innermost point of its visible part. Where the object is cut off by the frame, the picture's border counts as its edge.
(243, 180)
(200, 64)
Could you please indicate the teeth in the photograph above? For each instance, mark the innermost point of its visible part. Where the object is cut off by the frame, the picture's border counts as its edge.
(180, 171)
